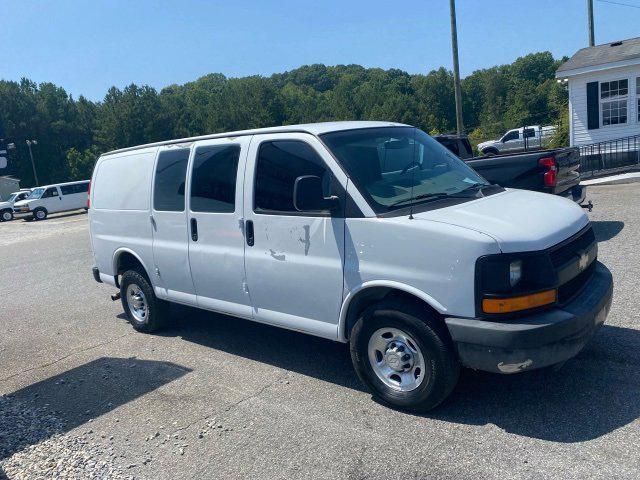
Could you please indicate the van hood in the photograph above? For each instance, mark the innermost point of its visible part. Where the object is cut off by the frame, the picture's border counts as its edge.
(519, 220)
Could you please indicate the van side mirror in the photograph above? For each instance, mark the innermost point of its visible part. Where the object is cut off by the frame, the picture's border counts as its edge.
(308, 195)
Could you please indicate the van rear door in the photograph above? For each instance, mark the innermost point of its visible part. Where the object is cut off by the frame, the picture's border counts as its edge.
(216, 243)
(169, 221)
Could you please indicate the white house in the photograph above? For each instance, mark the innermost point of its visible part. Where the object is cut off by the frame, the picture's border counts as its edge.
(604, 92)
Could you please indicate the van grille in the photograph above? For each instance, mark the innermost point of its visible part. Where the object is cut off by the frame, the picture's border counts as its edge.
(570, 289)
(566, 252)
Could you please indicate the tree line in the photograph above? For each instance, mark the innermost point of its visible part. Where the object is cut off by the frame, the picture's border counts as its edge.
(72, 133)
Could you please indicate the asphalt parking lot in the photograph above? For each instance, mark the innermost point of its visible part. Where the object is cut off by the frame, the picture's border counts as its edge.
(219, 397)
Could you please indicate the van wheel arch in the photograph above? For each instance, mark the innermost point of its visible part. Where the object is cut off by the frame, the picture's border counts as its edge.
(370, 296)
(126, 260)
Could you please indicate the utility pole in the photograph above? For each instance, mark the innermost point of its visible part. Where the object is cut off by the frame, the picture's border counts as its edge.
(591, 35)
(33, 164)
(456, 68)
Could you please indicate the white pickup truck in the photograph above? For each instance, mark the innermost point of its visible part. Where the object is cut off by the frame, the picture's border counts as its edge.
(6, 207)
(519, 139)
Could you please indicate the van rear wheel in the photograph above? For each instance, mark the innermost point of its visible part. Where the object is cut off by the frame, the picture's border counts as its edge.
(145, 311)
(404, 356)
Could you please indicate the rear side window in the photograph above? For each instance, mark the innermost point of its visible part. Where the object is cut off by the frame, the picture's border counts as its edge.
(168, 191)
(279, 163)
(213, 182)
(75, 188)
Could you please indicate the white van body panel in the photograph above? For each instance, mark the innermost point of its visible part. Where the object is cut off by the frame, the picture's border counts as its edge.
(217, 257)
(170, 235)
(294, 270)
(433, 258)
(119, 214)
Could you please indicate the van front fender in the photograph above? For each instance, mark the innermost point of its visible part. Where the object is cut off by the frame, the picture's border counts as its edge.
(380, 286)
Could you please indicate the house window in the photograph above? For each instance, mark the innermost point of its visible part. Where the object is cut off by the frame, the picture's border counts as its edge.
(613, 97)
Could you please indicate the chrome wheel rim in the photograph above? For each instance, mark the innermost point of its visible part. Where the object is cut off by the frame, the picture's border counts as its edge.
(137, 303)
(40, 214)
(396, 359)
(6, 216)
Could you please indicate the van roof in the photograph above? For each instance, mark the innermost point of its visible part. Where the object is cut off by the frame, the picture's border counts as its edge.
(60, 184)
(312, 128)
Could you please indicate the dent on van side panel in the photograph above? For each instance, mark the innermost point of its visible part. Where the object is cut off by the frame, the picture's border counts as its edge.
(435, 259)
(119, 213)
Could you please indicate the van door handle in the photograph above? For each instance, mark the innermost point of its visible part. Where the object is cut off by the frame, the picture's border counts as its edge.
(248, 229)
(194, 230)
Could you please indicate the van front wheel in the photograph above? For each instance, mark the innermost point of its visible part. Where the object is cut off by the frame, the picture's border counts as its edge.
(40, 213)
(6, 215)
(404, 356)
(145, 311)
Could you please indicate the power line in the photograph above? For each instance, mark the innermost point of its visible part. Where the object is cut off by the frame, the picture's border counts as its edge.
(618, 3)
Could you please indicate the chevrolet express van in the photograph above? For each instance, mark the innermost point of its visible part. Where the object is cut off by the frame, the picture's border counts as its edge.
(369, 233)
(61, 197)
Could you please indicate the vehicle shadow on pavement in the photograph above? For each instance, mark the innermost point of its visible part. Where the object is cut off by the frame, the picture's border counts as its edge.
(70, 399)
(590, 396)
(606, 229)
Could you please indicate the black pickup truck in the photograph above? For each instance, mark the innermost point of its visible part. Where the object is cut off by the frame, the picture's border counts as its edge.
(553, 171)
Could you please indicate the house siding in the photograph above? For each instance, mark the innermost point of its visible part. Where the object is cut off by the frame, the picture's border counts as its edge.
(579, 133)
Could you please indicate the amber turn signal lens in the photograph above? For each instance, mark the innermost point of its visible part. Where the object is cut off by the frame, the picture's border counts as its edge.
(515, 304)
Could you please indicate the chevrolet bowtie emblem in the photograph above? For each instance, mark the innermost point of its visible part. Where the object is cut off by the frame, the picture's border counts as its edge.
(584, 260)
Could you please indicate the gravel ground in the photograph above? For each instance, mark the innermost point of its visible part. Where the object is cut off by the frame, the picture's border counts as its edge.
(219, 397)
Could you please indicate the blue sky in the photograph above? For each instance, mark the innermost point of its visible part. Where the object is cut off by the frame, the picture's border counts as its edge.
(88, 46)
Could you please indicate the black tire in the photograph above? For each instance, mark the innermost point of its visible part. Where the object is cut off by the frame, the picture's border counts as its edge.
(490, 152)
(431, 337)
(156, 309)
(6, 215)
(40, 213)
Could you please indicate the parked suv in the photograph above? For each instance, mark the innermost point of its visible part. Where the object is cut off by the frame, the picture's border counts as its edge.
(369, 233)
(6, 207)
(61, 197)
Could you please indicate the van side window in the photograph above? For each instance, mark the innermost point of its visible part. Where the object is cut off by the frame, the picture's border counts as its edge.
(168, 187)
(50, 192)
(213, 182)
(279, 163)
(67, 189)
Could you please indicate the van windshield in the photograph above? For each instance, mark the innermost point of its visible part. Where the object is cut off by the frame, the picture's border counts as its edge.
(35, 194)
(394, 167)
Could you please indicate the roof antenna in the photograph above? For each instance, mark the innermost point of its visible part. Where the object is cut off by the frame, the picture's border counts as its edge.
(413, 177)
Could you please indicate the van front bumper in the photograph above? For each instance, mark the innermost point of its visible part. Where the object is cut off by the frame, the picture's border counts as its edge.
(537, 340)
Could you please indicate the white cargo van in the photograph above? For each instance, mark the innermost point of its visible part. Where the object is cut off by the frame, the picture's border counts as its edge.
(60, 197)
(370, 233)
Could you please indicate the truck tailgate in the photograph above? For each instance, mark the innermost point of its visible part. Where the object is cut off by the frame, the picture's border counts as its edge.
(568, 161)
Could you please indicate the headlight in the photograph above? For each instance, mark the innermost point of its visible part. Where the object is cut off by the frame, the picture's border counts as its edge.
(515, 272)
(506, 281)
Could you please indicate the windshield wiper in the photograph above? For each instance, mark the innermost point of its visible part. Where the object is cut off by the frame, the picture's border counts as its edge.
(430, 196)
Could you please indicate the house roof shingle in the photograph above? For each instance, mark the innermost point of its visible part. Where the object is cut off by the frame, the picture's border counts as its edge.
(603, 54)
